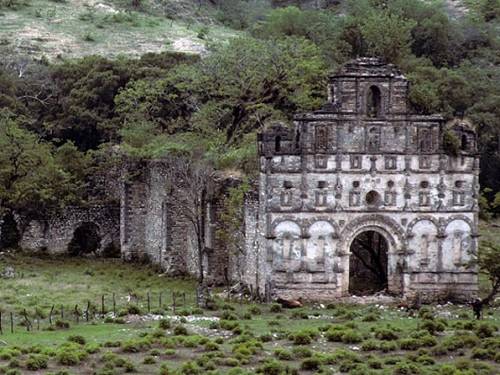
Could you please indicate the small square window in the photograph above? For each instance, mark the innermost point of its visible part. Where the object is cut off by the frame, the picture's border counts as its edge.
(424, 199)
(458, 198)
(286, 198)
(320, 161)
(390, 162)
(287, 184)
(321, 198)
(390, 198)
(355, 162)
(424, 162)
(321, 184)
(354, 199)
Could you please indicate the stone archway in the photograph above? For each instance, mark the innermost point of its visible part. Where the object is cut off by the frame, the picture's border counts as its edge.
(368, 261)
(395, 238)
(86, 239)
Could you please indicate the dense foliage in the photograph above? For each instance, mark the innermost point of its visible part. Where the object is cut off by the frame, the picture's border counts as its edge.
(68, 117)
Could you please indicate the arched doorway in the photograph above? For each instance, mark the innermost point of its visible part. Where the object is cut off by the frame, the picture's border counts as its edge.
(86, 239)
(368, 263)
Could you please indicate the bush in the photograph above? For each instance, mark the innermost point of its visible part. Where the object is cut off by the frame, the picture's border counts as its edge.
(275, 308)
(164, 324)
(61, 324)
(369, 345)
(254, 310)
(388, 346)
(387, 334)
(410, 344)
(351, 336)
(432, 326)
(310, 364)
(303, 337)
(228, 315)
(37, 362)
(302, 352)
(68, 358)
(484, 330)
(273, 367)
(180, 330)
(283, 354)
(77, 339)
(149, 360)
(372, 317)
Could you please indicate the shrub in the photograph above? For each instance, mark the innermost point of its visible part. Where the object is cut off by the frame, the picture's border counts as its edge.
(370, 318)
(275, 308)
(283, 354)
(375, 363)
(410, 344)
(484, 330)
(77, 339)
(61, 324)
(135, 346)
(211, 346)
(180, 330)
(68, 358)
(255, 310)
(310, 364)
(303, 337)
(37, 362)
(351, 336)
(369, 345)
(272, 366)
(479, 353)
(387, 334)
(302, 352)
(406, 368)
(388, 346)
(164, 324)
(228, 315)
(432, 326)
(149, 360)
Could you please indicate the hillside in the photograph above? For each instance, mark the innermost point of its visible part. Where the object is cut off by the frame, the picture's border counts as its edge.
(73, 28)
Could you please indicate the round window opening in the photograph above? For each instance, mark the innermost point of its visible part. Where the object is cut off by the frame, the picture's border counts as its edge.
(373, 198)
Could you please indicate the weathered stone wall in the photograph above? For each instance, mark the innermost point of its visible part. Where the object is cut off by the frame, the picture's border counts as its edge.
(156, 231)
(364, 163)
(54, 233)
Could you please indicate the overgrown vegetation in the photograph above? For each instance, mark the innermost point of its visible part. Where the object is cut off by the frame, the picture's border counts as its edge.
(69, 116)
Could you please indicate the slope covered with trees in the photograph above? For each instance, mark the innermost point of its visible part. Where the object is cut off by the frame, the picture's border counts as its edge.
(74, 114)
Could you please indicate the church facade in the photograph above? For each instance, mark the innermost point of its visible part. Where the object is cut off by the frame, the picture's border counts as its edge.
(363, 196)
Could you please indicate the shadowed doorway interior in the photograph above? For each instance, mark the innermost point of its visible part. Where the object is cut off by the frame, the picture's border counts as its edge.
(368, 264)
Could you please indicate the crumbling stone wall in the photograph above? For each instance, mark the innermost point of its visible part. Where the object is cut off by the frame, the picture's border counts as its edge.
(365, 163)
(53, 234)
(154, 230)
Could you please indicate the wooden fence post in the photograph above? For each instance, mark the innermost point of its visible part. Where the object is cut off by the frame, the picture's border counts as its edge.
(102, 305)
(50, 314)
(114, 306)
(62, 312)
(173, 302)
(11, 323)
(149, 303)
(87, 313)
(159, 300)
(184, 299)
(1, 330)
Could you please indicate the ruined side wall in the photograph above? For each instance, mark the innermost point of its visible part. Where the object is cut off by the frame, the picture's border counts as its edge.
(53, 234)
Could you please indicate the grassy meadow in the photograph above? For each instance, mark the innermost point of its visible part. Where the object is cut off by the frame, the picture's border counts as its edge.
(231, 338)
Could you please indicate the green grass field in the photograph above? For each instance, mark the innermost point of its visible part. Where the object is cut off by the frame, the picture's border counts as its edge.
(234, 338)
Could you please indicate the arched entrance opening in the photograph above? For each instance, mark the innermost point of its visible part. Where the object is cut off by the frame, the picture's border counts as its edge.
(9, 233)
(86, 240)
(368, 263)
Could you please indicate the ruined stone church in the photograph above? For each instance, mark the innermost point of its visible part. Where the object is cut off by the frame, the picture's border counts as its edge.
(357, 197)
(362, 195)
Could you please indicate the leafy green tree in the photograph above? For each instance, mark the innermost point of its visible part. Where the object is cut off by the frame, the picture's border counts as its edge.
(488, 261)
(387, 35)
(30, 179)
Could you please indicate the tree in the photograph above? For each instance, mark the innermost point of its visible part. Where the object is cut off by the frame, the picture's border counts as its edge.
(488, 261)
(30, 178)
(387, 35)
